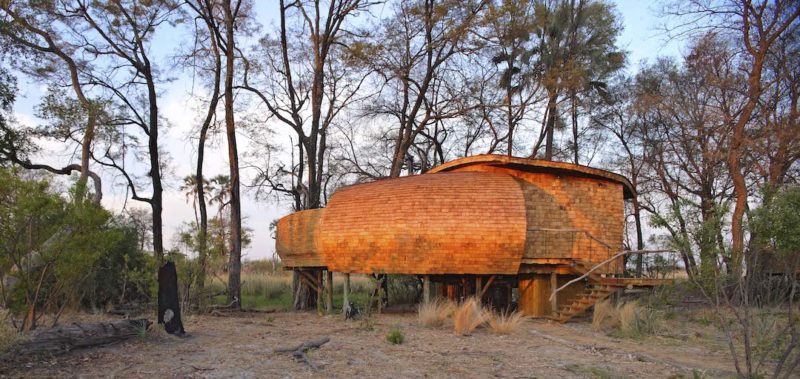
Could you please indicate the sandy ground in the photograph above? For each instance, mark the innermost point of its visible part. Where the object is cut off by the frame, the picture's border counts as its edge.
(241, 346)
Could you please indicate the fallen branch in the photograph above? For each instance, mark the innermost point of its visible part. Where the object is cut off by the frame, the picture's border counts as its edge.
(299, 351)
(222, 307)
(66, 338)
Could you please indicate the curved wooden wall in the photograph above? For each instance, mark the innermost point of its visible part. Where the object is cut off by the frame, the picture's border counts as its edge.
(296, 239)
(449, 223)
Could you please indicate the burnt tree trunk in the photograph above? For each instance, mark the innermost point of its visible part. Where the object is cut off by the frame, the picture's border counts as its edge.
(169, 308)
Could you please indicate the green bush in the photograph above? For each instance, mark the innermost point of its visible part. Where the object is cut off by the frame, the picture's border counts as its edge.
(64, 251)
(395, 336)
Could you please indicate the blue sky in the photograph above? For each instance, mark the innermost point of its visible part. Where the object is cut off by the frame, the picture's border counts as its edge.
(641, 38)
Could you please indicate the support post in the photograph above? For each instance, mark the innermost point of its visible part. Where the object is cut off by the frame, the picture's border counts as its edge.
(553, 297)
(329, 294)
(426, 289)
(478, 287)
(346, 293)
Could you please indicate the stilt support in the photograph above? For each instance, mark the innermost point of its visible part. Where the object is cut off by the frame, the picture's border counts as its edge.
(554, 296)
(426, 289)
(329, 293)
(346, 293)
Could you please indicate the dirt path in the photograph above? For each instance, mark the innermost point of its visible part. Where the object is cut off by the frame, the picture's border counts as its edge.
(242, 347)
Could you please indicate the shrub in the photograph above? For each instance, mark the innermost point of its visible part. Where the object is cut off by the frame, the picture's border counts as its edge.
(395, 336)
(435, 313)
(468, 316)
(505, 323)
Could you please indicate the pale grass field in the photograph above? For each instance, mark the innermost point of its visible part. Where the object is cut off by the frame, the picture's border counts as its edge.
(274, 291)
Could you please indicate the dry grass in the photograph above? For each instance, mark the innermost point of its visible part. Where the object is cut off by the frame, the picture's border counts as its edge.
(435, 313)
(505, 323)
(628, 319)
(8, 335)
(468, 316)
(605, 316)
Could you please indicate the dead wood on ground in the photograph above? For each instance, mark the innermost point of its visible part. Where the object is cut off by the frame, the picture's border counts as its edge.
(299, 351)
(65, 338)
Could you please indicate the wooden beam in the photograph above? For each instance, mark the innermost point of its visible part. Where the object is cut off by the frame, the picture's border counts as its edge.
(310, 280)
(486, 287)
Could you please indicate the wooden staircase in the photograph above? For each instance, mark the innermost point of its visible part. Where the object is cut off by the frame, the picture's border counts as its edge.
(598, 289)
(584, 301)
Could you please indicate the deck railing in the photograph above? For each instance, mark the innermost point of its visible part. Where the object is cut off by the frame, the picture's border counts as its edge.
(610, 260)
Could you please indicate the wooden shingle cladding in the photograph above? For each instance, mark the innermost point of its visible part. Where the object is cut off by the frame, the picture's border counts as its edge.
(563, 210)
(449, 223)
(477, 215)
(296, 239)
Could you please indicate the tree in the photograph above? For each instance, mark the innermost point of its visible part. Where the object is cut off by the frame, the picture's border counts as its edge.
(742, 304)
(618, 115)
(119, 35)
(502, 79)
(686, 137)
(577, 53)
(304, 80)
(755, 27)
(411, 53)
(222, 20)
(34, 33)
(206, 34)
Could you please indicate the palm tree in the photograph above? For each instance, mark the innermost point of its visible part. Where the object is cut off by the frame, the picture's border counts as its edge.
(219, 191)
(190, 189)
(577, 53)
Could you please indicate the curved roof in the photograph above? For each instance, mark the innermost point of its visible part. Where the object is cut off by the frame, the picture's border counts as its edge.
(537, 165)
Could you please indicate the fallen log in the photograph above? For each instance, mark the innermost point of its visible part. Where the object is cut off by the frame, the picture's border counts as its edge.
(65, 338)
(299, 351)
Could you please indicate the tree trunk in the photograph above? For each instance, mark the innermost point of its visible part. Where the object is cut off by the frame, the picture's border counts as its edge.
(235, 257)
(552, 109)
(155, 168)
(575, 147)
(637, 217)
(509, 111)
(169, 307)
(202, 253)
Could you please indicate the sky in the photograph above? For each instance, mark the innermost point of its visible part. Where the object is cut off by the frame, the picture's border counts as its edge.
(641, 38)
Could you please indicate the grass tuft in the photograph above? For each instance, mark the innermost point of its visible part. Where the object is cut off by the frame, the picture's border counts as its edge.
(605, 316)
(625, 320)
(435, 313)
(468, 316)
(505, 323)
